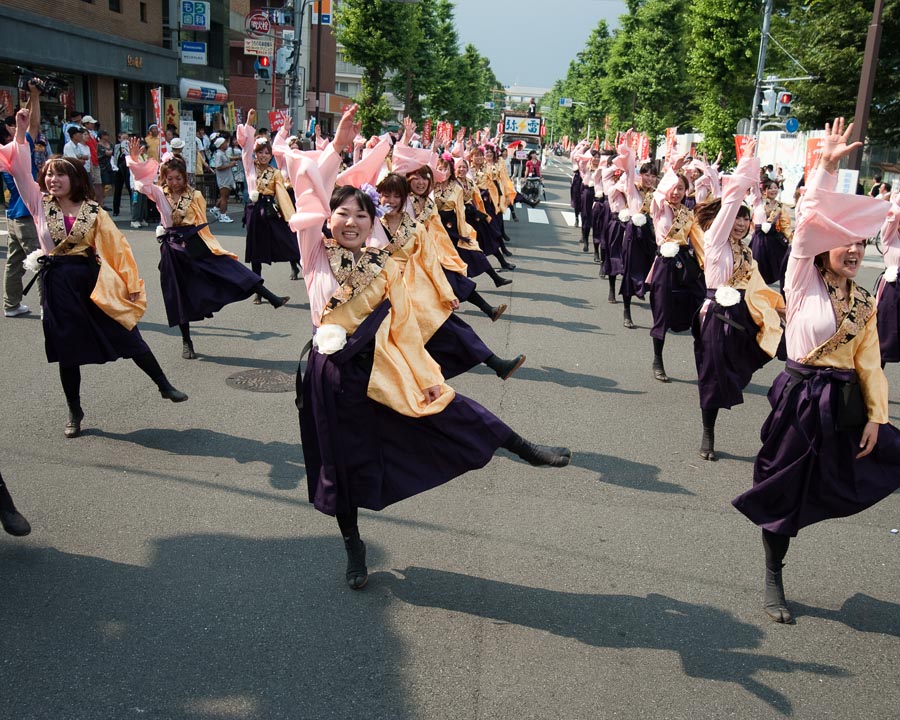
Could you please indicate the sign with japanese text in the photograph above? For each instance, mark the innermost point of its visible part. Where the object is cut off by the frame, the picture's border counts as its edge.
(521, 126)
(156, 96)
(813, 149)
(259, 46)
(172, 112)
(194, 15)
(188, 133)
(740, 142)
(193, 53)
(257, 24)
(277, 119)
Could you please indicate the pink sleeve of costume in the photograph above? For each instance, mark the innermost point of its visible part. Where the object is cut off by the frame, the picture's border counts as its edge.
(144, 182)
(30, 192)
(890, 236)
(717, 239)
(246, 138)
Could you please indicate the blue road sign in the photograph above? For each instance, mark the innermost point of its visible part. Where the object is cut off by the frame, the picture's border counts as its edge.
(792, 125)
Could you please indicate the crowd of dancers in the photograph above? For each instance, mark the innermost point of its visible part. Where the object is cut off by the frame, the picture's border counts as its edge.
(706, 249)
(391, 244)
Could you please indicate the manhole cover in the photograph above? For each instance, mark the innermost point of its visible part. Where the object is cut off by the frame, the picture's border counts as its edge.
(267, 381)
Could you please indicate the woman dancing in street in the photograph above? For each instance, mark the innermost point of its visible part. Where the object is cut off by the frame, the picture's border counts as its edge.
(827, 447)
(377, 421)
(889, 289)
(93, 296)
(772, 235)
(738, 329)
(198, 276)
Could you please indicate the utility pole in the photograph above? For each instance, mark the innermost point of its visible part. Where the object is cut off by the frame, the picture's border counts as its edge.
(318, 60)
(761, 68)
(866, 85)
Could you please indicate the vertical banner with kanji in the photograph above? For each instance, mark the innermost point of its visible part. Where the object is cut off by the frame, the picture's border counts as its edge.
(277, 119)
(156, 95)
(740, 142)
(671, 139)
(173, 113)
(426, 133)
(231, 121)
(188, 133)
(813, 150)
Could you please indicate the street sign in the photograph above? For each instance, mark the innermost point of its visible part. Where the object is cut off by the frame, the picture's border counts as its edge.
(565, 102)
(193, 53)
(522, 126)
(489, 106)
(259, 46)
(194, 15)
(792, 125)
(323, 7)
(257, 24)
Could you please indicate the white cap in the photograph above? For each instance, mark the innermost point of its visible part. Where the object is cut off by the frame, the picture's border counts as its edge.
(88, 119)
(219, 142)
(176, 144)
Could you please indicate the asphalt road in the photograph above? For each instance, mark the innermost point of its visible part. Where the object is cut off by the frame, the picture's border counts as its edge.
(176, 569)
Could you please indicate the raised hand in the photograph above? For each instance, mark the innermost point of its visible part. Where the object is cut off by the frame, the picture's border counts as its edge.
(347, 128)
(251, 117)
(834, 144)
(409, 129)
(134, 149)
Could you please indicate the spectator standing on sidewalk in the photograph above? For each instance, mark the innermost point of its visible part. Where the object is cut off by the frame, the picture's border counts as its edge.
(224, 179)
(76, 150)
(105, 151)
(123, 177)
(91, 139)
(22, 233)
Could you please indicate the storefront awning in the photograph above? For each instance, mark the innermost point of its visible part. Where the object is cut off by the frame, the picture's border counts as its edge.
(202, 92)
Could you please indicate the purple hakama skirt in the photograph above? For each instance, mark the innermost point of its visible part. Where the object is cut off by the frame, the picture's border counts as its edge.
(476, 262)
(575, 192)
(888, 319)
(726, 353)
(456, 347)
(771, 251)
(495, 219)
(587, 209)
(76, 331)
(806, 470)
(613, 247)
(359, 453)
(195, 288)
(599, 220)
(638, 252)
(269, 240)
(675, 294)
(487, 240)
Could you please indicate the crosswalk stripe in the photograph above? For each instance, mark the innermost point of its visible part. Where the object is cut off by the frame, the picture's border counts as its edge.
(569, 217)
(536, 215)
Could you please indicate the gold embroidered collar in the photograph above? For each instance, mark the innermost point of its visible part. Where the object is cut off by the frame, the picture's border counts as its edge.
(352, 276)
(84, 221)
(264, 177)
(851, 314)
(445, 196)
(743, 264)
(401, 236)
(179, 205)
(680, 224)
(424, 208)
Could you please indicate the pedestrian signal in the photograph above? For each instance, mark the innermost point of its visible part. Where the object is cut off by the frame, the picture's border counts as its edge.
(783, 104)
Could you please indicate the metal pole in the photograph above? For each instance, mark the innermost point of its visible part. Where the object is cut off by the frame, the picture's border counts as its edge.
(318, 61)
(760, 68)
(866, 85)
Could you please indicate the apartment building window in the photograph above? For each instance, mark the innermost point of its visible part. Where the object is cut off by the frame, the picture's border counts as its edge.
(143, 12)
(115, 6)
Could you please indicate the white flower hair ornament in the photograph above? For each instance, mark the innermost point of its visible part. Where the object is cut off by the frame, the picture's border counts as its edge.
(330, 339)
(727, 296)
(639, 219)
(890, 273)
(669, 249)
(624, 215)
(31, 262)
(375, 197)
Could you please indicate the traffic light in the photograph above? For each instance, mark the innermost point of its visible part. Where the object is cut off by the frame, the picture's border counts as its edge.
(783, 104)
(769, 96)
(283, 60)
(261, 67)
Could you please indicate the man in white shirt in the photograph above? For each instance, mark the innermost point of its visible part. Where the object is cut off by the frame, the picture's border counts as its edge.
(77, 150)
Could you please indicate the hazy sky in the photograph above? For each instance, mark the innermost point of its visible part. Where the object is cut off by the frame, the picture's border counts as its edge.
(531, 42)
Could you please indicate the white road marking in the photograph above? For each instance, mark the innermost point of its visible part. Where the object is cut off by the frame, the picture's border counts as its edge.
(539, 216)
(569, 217)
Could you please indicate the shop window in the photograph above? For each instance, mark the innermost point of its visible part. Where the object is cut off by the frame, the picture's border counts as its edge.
(115, 6)
(143, 12)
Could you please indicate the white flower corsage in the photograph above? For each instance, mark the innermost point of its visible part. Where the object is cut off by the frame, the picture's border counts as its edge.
(31, 262)
(890, 273)
(639, 219)
(329, 339)
(766, 226)
(669, 249)
(254, 195)
(160, 230)
(727, 296)
(624, 215)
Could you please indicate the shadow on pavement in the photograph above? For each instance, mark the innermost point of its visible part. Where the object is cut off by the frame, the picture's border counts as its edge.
(285, 366)
(860, 612)
(709, 641)
(572, 302)
(625, 473)
(200, 330)
(558, 376)
(214, 627)
(285, 459)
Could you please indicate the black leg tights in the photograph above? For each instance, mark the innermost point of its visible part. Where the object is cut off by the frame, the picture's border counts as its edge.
(709, 418)
(71, 382)
(612, 288)
(494, 275)
(148, 363)
(776, 547)
(257, 268)
(269, 296)
(504, 263)
(658, 348)
(347, 522)
(482, 304)
(185, 332)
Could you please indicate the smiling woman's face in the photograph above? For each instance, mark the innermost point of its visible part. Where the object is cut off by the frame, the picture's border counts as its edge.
(350, 225)
(845, 261)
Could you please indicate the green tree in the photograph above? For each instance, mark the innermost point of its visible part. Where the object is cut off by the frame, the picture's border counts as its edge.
(379, 36)
(724, 45)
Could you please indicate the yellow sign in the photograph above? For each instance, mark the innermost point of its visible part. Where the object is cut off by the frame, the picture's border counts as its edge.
(172, 114)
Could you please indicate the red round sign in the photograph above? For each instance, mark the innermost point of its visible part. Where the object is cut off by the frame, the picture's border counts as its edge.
(257, 24)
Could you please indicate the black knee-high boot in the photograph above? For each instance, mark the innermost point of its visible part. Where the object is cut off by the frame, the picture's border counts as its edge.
(357, 574)
(274, 300)
(774, 603)
(504, 368)
(504, 263)
(537, 455)
(148, 363)
(295, 270)
(505, 250)
(597, 259)
(10, 518)
(708, 442)
(659, 370)
(611, 297)
(257, 268)
(585, 237)
(493, 313)
(187, 345)
(70, 377)
(495, 276)
(626, 318)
